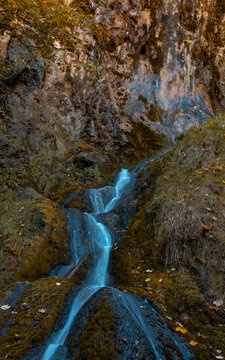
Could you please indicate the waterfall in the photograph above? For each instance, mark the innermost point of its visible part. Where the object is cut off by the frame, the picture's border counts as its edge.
(103, 201)
(101, 246)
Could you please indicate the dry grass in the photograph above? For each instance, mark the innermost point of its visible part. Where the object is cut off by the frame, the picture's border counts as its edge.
(187, 208)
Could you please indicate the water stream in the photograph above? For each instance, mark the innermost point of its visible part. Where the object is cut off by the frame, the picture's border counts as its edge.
(103, 201)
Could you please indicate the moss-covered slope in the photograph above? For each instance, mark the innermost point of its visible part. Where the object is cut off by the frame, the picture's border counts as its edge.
(34, 317)
(33, 236)
(175, 251)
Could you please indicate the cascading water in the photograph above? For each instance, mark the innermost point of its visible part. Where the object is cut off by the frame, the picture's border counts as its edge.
(103, 201)
(101, 244)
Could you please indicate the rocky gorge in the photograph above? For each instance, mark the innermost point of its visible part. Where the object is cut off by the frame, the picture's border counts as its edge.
(154, 106)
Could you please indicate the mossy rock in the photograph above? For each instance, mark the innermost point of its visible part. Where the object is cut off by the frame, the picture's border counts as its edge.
(144, 142)
(172, 254)
(33, 238)
(35, 316)
(97, 339)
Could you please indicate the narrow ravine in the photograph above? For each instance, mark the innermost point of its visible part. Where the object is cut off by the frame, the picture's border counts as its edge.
(103, 201)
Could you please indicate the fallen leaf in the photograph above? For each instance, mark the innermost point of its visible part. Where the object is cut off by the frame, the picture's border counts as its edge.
(207, 227)
(218, 303)
(181, 329)
(193, 343)
(5, 307)
(42, 311)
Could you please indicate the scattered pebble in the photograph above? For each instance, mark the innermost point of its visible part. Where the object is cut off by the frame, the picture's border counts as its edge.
(160, 280)
(58, 284)
(169, 318)
(173, 269)
(14, 312)
(42, 311)
(149, 271)
(180, 324)
(219, 357)
(5, 307)
(148, 279)
(22, 225)
(218, 303)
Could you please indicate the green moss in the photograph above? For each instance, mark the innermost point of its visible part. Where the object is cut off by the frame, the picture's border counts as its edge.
(144, 141)
(30, 326)
(33, 238)
(97, 340)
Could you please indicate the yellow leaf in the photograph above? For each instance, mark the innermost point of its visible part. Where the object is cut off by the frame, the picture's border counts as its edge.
(193, 343)
(181, 329)
(207, 227)
(223, 181)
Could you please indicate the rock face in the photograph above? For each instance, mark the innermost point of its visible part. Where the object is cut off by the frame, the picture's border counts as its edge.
(167, 61)
(163, 67)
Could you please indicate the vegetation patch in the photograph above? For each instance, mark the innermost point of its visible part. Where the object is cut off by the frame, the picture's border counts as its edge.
(145, 142)
(174, 253)
(32, 238)
(35, 316)
(97, 339)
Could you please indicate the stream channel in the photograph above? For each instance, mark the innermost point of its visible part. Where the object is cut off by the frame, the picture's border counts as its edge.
(138, 316)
